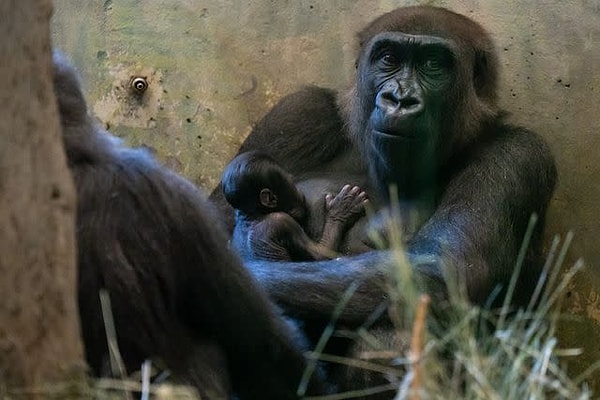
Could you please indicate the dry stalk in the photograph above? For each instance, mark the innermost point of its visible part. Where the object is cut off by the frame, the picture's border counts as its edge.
(416, 345)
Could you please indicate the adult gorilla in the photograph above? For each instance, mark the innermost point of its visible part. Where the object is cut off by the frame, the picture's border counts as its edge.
(423, 116)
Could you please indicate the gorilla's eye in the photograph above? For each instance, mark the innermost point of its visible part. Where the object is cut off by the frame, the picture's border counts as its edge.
(389, 59)
(432, 64)
(435, 61)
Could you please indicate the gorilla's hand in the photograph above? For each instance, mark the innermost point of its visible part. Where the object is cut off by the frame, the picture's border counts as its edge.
(347, 206)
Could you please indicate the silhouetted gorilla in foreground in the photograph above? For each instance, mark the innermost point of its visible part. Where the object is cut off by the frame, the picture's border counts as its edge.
(423, 117)
(178, 294)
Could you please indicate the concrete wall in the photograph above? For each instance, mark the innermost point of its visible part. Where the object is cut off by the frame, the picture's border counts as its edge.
(216, 66)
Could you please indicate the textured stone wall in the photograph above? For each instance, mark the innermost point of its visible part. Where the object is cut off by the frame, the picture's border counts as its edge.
(215, 67)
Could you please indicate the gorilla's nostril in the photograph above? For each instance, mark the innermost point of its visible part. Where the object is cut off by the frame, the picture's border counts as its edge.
(390, 97)
(409, 102)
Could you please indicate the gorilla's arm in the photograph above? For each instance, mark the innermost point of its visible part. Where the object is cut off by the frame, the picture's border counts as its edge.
(313, 289)
(482, 218)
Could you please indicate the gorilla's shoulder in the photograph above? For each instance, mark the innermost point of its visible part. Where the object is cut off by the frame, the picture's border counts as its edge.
(303, 110)
(303, 130)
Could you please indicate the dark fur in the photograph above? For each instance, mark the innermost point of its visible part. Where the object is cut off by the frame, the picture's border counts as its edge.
(178, 294)
(489, 178)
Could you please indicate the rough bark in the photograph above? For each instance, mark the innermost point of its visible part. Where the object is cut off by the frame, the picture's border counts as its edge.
(39, 331)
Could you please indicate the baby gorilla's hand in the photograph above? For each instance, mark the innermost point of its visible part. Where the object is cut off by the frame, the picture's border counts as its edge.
(347, 206)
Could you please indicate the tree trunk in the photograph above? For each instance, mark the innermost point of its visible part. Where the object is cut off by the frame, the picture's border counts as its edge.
(39, 325)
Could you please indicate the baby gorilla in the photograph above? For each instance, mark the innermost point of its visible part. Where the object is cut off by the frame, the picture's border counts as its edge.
(271, 212)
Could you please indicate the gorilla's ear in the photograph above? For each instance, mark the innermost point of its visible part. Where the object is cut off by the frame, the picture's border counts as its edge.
(479, 69)
(268, 198)
(485, 75)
